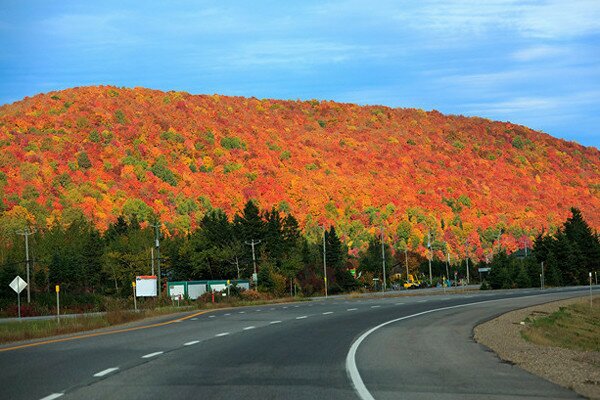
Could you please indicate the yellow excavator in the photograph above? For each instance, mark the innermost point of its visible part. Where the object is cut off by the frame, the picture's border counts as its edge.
(411, 282)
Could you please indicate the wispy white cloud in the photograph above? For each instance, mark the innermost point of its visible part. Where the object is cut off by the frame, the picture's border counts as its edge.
(542, 52)
(534, 105)
(294, 53)
(555, 19)
(91, 29)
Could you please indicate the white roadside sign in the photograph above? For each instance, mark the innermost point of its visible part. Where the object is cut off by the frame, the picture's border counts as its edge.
(18, 284)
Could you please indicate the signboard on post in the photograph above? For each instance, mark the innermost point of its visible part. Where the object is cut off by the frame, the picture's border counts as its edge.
(145, 286)
(18, 285)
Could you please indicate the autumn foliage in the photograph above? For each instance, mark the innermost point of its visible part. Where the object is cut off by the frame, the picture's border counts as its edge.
(105, 151)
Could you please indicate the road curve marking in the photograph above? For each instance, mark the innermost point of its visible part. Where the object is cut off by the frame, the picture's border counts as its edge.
(351, 367)
(105, 372)
(191, 343)
(53, 396)
(157, 353)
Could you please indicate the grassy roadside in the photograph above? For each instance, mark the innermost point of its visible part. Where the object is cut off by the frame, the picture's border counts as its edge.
(35, 329)
(575, 327)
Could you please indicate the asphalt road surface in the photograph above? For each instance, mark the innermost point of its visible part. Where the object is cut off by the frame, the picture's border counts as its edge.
(417, 347)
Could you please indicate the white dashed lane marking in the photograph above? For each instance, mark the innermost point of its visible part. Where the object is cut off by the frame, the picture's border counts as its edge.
(375, 306)
(275, 322)
(105, 372)
(302, 317)
(222, 334)
(352, 309)
(249, 327)
(53, 396)
(158, 353)
(328, 312)
(191, 343)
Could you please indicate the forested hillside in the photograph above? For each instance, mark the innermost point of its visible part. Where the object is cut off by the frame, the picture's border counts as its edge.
(106, 151)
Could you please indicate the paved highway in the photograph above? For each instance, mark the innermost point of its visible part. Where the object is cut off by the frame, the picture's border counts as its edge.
(417, 347)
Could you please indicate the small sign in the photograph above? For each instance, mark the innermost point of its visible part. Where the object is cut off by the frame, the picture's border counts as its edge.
(145, 286)
(484, 269)
(254, 277)
(57, 288)
(228, 282)
(18, 284)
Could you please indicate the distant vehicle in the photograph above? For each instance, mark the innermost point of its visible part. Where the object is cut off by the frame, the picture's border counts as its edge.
(412, 283)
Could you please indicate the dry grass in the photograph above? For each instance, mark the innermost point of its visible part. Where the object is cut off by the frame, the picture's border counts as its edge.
(575, 327)
(28, 329)
(25, 330)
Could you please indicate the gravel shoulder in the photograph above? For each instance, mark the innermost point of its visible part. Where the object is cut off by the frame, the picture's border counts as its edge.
(576, 370)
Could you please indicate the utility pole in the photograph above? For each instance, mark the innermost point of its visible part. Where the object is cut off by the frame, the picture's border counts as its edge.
(26, 232)
(152, 259)
(406, 258)
(467, 255)
(157, 245)
(430, 256)
(447, 263)
(543, 275)
(383, 260)
(255, 274)
(324, 262)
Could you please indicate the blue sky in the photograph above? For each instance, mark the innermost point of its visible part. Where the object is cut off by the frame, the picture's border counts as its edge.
(530, 62)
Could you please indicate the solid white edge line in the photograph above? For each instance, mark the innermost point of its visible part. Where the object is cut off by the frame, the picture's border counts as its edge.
(157, 353)
(191, 343)
(352, 369)
(52, 396)
(222, 334)
(105, 372)
(249, 327)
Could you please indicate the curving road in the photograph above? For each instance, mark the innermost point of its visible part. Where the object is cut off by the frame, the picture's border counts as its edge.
(417, 347)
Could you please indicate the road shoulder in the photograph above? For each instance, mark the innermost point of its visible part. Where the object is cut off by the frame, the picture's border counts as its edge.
(576, 370)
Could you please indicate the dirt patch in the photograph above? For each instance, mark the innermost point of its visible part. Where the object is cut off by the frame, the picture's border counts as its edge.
(576, 370)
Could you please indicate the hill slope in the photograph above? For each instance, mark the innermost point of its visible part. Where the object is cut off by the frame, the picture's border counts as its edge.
(107, 150)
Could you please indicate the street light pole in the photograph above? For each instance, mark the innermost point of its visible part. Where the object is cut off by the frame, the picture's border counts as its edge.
(406, 258)
(430, 256)
(383, 260)
(324, 262)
